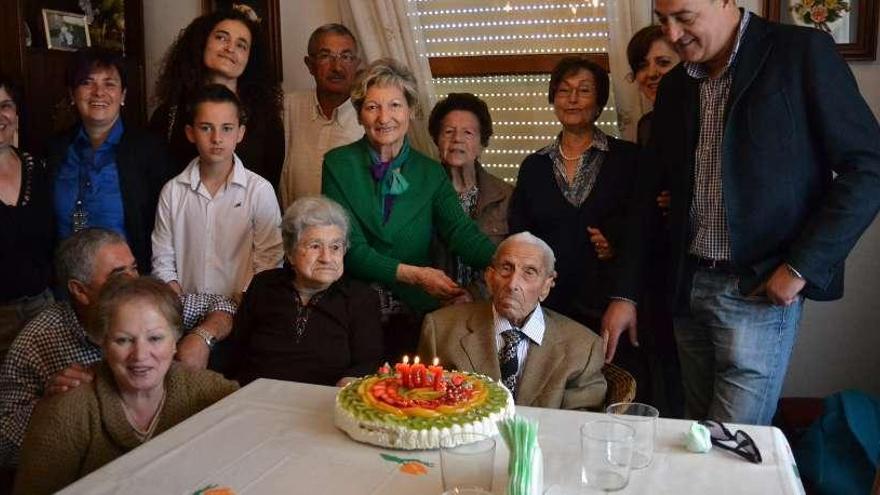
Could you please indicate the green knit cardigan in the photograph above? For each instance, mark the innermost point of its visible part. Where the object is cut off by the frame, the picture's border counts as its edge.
(429, 204)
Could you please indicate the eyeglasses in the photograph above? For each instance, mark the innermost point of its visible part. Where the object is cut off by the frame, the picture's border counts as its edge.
(346, 58)
(581, 93)
(740, 443)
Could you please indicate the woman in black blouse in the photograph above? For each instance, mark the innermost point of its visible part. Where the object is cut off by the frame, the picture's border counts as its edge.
(303, 322)
(225, 47)
(26, 228)
(579, 184)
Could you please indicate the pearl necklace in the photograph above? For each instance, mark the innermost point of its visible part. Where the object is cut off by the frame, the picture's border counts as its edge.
(562, 153)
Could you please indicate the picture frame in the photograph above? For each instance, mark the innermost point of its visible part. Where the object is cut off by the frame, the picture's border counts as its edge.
(67, 31)
(269, 14)
(852, 23)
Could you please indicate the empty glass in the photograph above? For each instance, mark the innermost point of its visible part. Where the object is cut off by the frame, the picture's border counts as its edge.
(643, 419)
(606, 454)
(470, 465)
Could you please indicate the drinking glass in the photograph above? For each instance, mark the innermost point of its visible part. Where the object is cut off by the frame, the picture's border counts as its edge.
(606, 454)
(643, 419)
(467, 461)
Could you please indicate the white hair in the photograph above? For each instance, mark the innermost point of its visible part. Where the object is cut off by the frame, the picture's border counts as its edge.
(531, 239)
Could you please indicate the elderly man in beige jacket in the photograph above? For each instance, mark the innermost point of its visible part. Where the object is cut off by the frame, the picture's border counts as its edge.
(544, 358)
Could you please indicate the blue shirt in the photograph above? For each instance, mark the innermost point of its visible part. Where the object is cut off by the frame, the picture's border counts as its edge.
(90, 177)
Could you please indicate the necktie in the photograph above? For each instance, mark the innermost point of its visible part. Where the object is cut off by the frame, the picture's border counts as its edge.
(507, 358)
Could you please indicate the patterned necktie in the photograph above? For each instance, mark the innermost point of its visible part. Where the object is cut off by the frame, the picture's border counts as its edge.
(507, 358)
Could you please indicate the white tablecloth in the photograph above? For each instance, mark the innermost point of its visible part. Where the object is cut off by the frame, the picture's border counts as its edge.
(278, 437)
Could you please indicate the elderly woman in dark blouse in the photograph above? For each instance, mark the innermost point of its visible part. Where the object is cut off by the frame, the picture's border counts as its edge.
(303, 322)
(577, 185)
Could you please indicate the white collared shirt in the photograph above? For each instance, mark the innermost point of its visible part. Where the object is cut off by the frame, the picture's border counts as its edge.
(533, 328)
(308, 135)
(216, 244)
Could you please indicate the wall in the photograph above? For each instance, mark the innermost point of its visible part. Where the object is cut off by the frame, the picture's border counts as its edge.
(839, 342)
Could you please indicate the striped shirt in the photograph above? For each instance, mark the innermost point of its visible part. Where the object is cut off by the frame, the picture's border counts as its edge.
(533, 329)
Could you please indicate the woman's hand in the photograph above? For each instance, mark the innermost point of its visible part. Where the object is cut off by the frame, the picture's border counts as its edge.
(663, 201)
(431, 280)
(604, 251)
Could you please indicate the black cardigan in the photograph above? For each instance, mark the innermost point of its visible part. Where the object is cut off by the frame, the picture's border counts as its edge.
(538, 206)
(144, 167)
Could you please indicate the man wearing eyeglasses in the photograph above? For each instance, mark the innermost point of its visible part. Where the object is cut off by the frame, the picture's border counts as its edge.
(319, 120)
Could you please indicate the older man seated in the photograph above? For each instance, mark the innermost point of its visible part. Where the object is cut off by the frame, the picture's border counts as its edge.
(53, 352)
(544, 358)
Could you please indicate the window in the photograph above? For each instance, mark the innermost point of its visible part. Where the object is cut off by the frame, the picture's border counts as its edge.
(503, 52)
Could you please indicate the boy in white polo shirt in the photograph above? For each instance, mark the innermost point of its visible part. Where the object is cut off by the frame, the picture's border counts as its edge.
(217, 223)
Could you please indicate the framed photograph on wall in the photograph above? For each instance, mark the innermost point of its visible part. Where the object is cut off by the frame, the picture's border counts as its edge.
(268, 14)
(65, 30)
(852, 23)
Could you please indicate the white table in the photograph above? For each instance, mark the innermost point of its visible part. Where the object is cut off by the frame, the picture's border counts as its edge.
(278, 437)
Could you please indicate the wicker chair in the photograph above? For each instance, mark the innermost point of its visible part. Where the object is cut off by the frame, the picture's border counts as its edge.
(621, 385)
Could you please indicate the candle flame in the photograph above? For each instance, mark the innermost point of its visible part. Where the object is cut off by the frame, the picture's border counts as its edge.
(416, 360)
(436, 360)
(405, 359)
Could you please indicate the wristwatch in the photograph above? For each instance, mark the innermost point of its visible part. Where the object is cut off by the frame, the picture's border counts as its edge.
(209, 339)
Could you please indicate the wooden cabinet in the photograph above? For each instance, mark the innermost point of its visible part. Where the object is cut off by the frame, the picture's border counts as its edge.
(42, 71)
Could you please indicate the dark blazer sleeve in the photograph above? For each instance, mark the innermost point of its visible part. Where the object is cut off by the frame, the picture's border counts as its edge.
(518, 219)
(849, 138)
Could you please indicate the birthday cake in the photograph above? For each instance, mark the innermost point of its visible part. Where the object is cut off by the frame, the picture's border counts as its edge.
(422, 408)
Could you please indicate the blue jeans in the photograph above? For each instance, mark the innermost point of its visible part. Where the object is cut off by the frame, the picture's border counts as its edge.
(734, 350)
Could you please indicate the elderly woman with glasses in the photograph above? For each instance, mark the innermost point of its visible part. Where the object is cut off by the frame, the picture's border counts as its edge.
(398, 198)
(304, 322)
(579, 184)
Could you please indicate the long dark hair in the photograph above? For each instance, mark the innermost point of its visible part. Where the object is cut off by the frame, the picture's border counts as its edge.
(183, 69)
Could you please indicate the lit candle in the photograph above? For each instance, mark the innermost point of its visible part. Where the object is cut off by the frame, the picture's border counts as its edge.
(417, 373)
(384, 369)
(437, 373)
(403, 370)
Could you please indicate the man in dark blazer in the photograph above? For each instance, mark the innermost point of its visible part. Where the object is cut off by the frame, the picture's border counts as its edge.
(544, 358)
(748, 134)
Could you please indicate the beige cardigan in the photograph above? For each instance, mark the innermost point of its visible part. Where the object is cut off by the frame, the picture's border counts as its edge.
(77, 432)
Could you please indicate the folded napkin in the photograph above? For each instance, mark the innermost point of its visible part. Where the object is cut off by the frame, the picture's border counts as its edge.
(525, 467)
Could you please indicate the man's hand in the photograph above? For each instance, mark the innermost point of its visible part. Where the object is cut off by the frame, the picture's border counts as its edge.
(783, 287)
(193, 352)
(620, 316)
(69, 378)
(175, 286)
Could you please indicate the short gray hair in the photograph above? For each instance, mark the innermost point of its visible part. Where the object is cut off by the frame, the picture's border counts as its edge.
(75, 257)
(386, 72)
(529, 238)
(311, 211)
(331, 28)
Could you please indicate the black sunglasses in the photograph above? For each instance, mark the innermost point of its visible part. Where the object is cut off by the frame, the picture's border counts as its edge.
(740, 443)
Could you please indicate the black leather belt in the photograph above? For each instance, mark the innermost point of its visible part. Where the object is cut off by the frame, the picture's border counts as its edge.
(720, 266)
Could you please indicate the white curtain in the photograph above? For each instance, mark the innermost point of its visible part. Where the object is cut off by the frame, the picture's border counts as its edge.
(625, 17)
(384, 29)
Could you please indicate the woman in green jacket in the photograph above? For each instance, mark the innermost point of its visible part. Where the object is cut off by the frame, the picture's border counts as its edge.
(397, 197)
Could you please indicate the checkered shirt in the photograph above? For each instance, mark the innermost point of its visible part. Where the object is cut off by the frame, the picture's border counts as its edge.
(709, 230)
(52, 341)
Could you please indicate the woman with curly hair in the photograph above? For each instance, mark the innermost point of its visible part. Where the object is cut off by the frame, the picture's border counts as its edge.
(223, 47)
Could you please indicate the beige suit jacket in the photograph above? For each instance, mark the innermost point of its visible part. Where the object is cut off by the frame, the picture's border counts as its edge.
(564, 372)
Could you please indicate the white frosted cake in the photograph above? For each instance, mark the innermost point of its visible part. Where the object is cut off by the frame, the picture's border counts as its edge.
(381, 410)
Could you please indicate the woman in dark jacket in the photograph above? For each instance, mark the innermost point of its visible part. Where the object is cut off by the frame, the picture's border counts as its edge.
(106, 173)
(579, 183)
